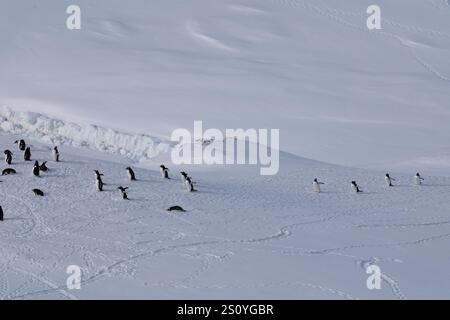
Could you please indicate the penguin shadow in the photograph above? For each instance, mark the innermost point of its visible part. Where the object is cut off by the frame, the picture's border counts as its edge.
(325, 192)
(14, 219)
(68, 161)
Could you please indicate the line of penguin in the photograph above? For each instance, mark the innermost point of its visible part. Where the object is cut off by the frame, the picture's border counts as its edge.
(37, 168)
(417, 180)
(186, 180)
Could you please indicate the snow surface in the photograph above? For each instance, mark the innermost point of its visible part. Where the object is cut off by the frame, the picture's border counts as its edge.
(243, 235)
(308, 67)
(111, 94)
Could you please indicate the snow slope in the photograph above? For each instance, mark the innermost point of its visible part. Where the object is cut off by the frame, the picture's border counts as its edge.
(308, 67)
(111, 94)
(243, 235)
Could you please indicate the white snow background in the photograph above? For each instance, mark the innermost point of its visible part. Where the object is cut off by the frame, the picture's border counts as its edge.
(359, 102)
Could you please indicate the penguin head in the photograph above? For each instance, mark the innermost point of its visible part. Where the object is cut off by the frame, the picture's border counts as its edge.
(387, 175)
(354, 183)
(128, 168)
(36, 163)
(184, 174)
(417, 174)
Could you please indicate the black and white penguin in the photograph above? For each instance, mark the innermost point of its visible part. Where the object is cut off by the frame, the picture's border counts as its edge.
(131, 174)
(176, 208)
(36, 169)
(8, 171)
(20, 144)
(355, 187)
(98, 174)
(55, 154)
(43, 166)
(99, 183)
(316, 185)
(164, 172)
(38, 192)
(123, 192)
(418, 179)
(189, 185)
(1, 213)
(388, 180)
(184, 175)
(8, 156)
(27, 154)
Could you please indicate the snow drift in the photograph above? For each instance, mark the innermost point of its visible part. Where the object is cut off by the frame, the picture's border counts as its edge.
(58, 132)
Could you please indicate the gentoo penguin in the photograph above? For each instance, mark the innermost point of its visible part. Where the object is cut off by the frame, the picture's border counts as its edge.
(131, 174)
(43, 166)
(8, 156)
(123, 192)
(316, 185)
(55, 154)
(27, 154)
(1, 213)
(418, 179)
(20, 144)
(355, 187)
(189, 185)
(184, 175)
(7, 171)
(164, 172)
(36, 169)
(38, 192)
(388, 180)
(176, 208)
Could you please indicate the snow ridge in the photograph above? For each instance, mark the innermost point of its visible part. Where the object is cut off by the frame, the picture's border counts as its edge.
(138, 147)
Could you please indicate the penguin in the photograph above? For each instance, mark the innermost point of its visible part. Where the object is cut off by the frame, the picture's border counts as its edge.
(184, 175)
(316, 185)
(43, 166)
(8, 157)
(355, 187)
(131, 174)
(7, 171)
(99, 184)
(27, 154)
(56, 154)
(1, 213)
(20, 144)
(418, 179)
(176, 208)
(189, 185)
(36, 169)
(123, 192)
(164, 172)
(98, 175)
(38, 192)
(388, 180)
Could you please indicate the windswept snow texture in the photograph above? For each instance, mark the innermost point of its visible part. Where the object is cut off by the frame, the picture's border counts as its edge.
(58, 132)
(137, 70)
(243, 235)
(339, 92)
